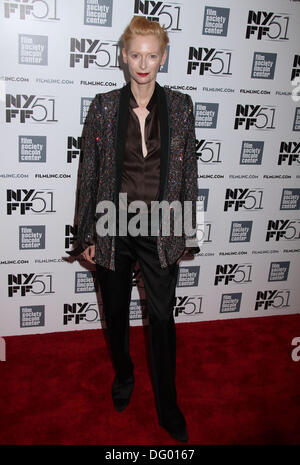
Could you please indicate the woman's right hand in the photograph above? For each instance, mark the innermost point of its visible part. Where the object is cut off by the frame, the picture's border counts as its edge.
(89, 254)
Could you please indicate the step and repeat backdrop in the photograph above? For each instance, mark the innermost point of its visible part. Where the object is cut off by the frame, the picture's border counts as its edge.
(240, 63)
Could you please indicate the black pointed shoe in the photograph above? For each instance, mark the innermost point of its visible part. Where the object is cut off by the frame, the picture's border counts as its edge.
(179, 432)
(121, 392)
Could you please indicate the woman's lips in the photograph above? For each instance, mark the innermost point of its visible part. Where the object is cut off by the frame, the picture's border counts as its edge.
(143, 74)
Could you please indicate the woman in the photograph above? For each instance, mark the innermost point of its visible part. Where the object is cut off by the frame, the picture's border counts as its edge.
(139, 141)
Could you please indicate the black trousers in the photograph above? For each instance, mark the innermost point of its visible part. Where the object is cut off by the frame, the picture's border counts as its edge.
(160, 285)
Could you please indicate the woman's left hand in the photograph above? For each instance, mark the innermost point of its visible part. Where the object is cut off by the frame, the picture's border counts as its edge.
(185, 253)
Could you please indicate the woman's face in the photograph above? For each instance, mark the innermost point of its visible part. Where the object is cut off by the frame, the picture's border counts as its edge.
(144, 57)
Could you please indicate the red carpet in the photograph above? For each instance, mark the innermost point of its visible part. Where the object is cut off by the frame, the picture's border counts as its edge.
(236, 383)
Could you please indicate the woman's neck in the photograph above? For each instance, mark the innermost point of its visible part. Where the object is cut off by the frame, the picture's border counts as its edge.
(142, 93)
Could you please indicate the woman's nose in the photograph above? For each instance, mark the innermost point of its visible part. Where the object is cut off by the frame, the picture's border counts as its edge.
(143, 62)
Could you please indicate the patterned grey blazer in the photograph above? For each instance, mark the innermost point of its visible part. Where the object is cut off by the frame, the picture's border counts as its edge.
(100, 172)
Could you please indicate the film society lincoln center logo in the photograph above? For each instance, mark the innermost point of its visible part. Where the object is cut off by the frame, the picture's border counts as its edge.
(33, 50)
(98, 12)
(32, 149)
(32, 315)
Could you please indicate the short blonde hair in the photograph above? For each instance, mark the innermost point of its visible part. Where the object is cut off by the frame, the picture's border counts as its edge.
(139, 25)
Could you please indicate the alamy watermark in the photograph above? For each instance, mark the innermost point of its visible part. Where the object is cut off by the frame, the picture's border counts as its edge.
(175, 218)
(296, 352)
(2, 350)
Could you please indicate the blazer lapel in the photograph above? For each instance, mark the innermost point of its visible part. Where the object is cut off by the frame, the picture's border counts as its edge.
(164, 139)
(121, 132)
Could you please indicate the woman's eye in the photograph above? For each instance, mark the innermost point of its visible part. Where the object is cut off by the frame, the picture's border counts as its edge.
(153, 57)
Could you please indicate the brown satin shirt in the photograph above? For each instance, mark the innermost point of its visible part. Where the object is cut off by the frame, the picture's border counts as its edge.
(140, 177)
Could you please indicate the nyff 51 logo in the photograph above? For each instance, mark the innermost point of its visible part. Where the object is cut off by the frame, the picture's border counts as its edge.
(78, 312)
(30, 107)
(283, 229)
(272, 26)
(272, 299)
(29, 200)
(74, 148)
(289, 153)
(233, 273)
(209, 60)
(22, 284)
(296, 67)
(188, 305)
(94, 53)
(243, 199)
(167, 13)
(208, 151)
(70, 235)
(36, 9)
(257, 116)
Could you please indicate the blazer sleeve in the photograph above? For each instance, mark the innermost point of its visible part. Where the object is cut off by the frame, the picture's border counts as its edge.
(88, 177)
(190, 179)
